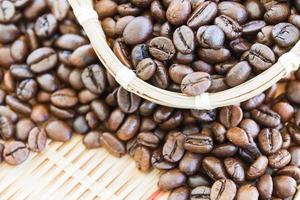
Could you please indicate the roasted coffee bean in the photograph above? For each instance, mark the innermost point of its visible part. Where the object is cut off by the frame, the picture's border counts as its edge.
(198, 180)
(204, 115)
(195, 83)
(6, 128)
(45, 25)
(138, 53)
(83, 56)
(101, 109)
(203, 14)
(64, 98)
(239, 137)
(258, 168)
(70, 41)
(214, 168)
(173, 148)
(42, 60)
(27, 89)
(285, 34)
(19, 50)
(127, 101)
(269, 141)
(213, 56)
(295, 153)
(223, 189)
(58, 131)
(211, 37)
(254, 8)
(8, 113)
(280, 159)
(75, 79)
(284, 186)
(265, 187)
(178, 12)
(224, 150)
(292, 92)
(218, 83)
(266, 117)
(148, 139)
(261, 57)
(48, 82)
(254, 102)
(15, 153)
(129, 128)
(92, 139)
(8, 33)
(62, 113)
(278, 12)
(23, 127)
(159, 162)
(39, 113)
(80, 125)
(112, 144)
(160, 78)
(17, 105)
(235, 169)
(21, 71)
(264, 36)
(284, 110)
(239, 46)
(250, 153)
(247, 191)
(142, 157)
(183, 39)
(250, 126)
(109, 26)
(253, 27)
(190, 163)
(291, 171)
(181, 193)
(37, 139)
(7, 11)
(198, 143)
(146, 69)
(231, 116)
(171, 179)
(178, 71)
(147, 124)
(137, 30)
(94, 79)
(162, 48)
(201, 192)
(121, 51)
(238, 74)
(230, 27)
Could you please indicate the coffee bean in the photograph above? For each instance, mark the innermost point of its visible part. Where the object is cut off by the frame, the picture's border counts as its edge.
(284, 186)
(64, 98)
(270, 141)
(254, 8)
(159, 162)
(92, 139)
(223, 189)
(235, 169)
(264, 116)
(261, 57)
(214, 168)
(254, 102)
(203, 14)
(264, 36)
(291, 171)
(83, 56)
(39, 113)
(80, 125)
(195, 83)
(181, 193)
(198, 144)
(183, 39)
(280, 159)
(58, 131)
(17, 105)
(253, 27)
(278, 12)
(190, 163)
(62, 113)
(200, 192)
(250, 126)
(162, 48)
(21, 71)
(101, 109)
(247, 191)
(27, 89)
(146, 69)
(142, 157)
(45, 25)
(258, 168)
(231, 116)
(178, 12)
(238, 74)
(230, 27)
(173, 148)
(225, 150)
(8, 33)
(171, 179)
(93, 78)
(250, 153)
(129, 128)
(284, 110)
(239, 137)
(148, 139)
(15, 153)
(211, 37)
(6, 128)
(214, 56)
(70, 41)
(127, 101)
(42, 59)
(7, 11)
(112, 144)
(8, 113)
(285, 34)
(19, 50)
(295, 153)
(265, 186)
(37, 139)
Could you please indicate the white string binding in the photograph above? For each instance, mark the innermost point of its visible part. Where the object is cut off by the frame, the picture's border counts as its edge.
(85, 13)
(290, 62)
(202, 102)
(125, 76)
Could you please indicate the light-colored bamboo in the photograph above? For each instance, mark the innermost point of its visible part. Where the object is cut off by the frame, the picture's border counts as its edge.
(84, 11)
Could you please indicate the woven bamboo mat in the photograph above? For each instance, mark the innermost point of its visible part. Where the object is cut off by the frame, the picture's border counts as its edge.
(69, 171)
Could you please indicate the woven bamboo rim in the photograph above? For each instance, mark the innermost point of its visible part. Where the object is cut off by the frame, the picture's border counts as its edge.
(88, 18)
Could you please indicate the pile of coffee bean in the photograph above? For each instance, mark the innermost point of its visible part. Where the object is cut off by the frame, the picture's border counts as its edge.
(53, 86)
(196, 46)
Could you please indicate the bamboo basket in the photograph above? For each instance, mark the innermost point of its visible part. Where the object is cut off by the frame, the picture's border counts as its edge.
(88, 18)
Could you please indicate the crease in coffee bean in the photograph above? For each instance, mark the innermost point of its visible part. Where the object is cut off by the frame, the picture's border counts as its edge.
(11, 153)
(183, 40)
(221, 190)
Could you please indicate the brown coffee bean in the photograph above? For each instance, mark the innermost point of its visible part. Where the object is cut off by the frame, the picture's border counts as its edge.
(181, 193)
(265, 116)
(235, 169)
(148, 139)
(265, 187)
(159, 162)
(258, 168)
(15, 153)
(58, 131)
(92, 139)
(173, 148)
(214, 168)
(39, 113)
(223, 189)
(8, 33)
(198, 144)
(278, 12)
(19, 50)
(178, 12)
(146, 69)
(171, 179)
(195, 83)
(17, 105)
(269, 141)
(94, 79)
(101, 109)
(21, 71)
(142, 157)
(247, 191)
(70, 41)
(190, 163)
(238, 74)
(231, 116)
(291, 171)
(64, 98)
(42, 59)
(261, 57)
(62, 113)
(250, 126)
(279, 159)
(230, 27)
(214, 56)
(284, 110)
(129, 128)
(284, 186)
(45, 25)
(6, 128)
(224, 150)
(7, 11)
(112, 144)
(37, 139)
(8, 113)
(127, 101)
(201, 192)
(83, 56)
(183, 39)
(162, 48)
(211, 37)
(27, 89)
(239, 137)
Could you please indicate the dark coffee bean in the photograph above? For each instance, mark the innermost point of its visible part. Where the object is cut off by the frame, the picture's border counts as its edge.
(64, 98)
(37, 139)
(183, 39)
(146, 69)
(223, 189)
(250, 153)
(92, 139)
(235, 169)
(58, 131)
(261, 57)
(173, 148)
(211, 37)
(181, 193)
(128, 9)
(15, 153)
(224, 150)
(279, 159)
(160, 78)
(148, 139)
(231, 116)
(159, 162)
(129, 128)
(178, 12)
(115, 120)
(247, 191)
(70, 42)
(292, 92)
(8, 33)
(83, 56)
(195, 83)
(45, 25)
(94, 79)
(214, 168)
(62, 113)
(264, 36)
(239, 46)
(121, 51)
(122, 23)
(284, 110)
(6, 128)
(198, 180)
(27, 89)
(278, 12)
(218, 83)
(213, 56)
(101, 109)
(238, 74)
(285, 34)
(190, 163)
(162, 48)
(127, 101)
(253, 27)
(266, 117)
(239, 137)
(254, 102)
(204, 115)
(75, 79)
(203, 14)
(138, 53)
(48, 82)
(201, 192)
(230, 27)
(142, 157)
(109, 26)
(59, 9)
(23, 128)
(185, 58)
(284, 186)
(198, 144)
(112, 144)
(258, 168)
(147, 124)
(250, 126)
(17, 105)
(42, 59)
(21, 71)
(178, 71)
(265, 187)
(171, 179)
(269, 141)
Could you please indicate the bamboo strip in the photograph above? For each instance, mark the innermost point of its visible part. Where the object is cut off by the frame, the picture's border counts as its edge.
(85, 14)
